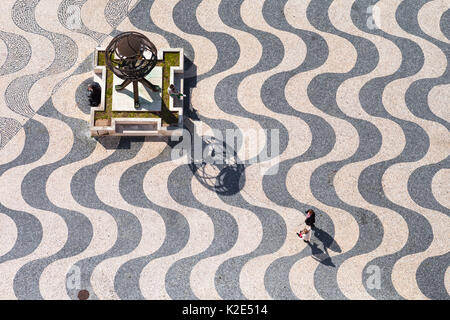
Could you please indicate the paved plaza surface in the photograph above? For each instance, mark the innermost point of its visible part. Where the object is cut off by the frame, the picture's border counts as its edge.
(355, 96)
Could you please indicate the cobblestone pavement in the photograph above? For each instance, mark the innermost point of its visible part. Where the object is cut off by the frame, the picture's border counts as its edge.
(355, 93)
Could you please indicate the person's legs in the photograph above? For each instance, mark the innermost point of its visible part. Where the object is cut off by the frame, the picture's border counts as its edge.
(307, 235)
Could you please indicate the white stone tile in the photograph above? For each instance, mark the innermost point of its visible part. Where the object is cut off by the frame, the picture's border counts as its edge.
(150, 101)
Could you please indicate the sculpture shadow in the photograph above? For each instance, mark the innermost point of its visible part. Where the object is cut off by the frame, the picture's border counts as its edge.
(221, 177)
(216, 170)
(190, 82)
(225, 180)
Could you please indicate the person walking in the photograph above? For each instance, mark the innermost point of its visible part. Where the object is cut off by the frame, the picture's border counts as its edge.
(305, 234)
(173, 92)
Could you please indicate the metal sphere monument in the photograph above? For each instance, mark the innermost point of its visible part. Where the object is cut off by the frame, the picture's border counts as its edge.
(131, 56)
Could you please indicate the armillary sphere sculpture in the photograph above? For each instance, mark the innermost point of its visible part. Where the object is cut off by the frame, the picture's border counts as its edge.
(131, 56)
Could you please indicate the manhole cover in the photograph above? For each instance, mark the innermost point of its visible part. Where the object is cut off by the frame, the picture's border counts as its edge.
(83, 295)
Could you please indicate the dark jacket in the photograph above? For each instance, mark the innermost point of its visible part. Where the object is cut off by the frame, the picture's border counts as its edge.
(94, 96)
(310, 221)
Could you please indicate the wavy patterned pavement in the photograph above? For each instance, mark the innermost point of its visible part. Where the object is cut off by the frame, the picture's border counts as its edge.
(348, 104)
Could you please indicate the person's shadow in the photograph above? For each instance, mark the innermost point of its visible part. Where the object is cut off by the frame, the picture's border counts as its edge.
(328, 243)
